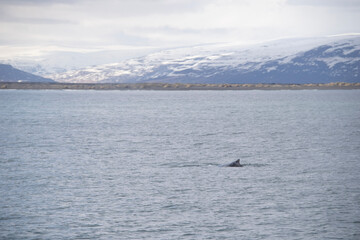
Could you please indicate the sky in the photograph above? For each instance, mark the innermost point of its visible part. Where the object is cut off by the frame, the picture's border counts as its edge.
(36, 27)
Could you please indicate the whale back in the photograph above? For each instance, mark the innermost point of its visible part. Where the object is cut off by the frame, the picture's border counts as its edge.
(235, 164)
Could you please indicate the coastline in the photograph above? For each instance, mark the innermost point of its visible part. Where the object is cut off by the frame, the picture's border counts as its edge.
(174, 86)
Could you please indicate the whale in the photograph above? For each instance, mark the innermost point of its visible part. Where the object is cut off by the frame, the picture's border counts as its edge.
(235, 164)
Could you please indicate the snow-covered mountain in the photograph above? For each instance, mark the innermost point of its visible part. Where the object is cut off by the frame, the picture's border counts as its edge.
(63, 61)
(310, 60)
(10, 74)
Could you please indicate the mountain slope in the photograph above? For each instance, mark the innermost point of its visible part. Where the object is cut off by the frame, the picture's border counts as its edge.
(319, 60)
(10, 74)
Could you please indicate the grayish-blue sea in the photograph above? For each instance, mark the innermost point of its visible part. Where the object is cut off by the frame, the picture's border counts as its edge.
(149, 164)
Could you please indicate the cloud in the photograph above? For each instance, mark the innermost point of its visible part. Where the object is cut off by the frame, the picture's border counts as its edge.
(326, 3)
(164, 23)
(37, 2)
(28, 20)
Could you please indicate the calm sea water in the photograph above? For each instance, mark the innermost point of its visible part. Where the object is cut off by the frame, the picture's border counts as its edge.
(148, 164)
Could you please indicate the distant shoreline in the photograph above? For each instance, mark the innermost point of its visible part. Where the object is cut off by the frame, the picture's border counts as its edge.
(174, 86)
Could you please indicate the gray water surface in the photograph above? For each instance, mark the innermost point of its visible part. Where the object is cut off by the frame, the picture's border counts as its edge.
(148, 164)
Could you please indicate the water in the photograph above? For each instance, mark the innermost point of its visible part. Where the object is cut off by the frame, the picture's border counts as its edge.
(147, 164)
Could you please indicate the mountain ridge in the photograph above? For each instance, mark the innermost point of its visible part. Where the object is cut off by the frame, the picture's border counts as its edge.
(300, 61)
(11, 74)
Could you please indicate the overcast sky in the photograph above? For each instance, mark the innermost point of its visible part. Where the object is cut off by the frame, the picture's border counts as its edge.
(35, 26)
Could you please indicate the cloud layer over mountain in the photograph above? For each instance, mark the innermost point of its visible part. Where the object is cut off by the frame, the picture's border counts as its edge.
(36, 27)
